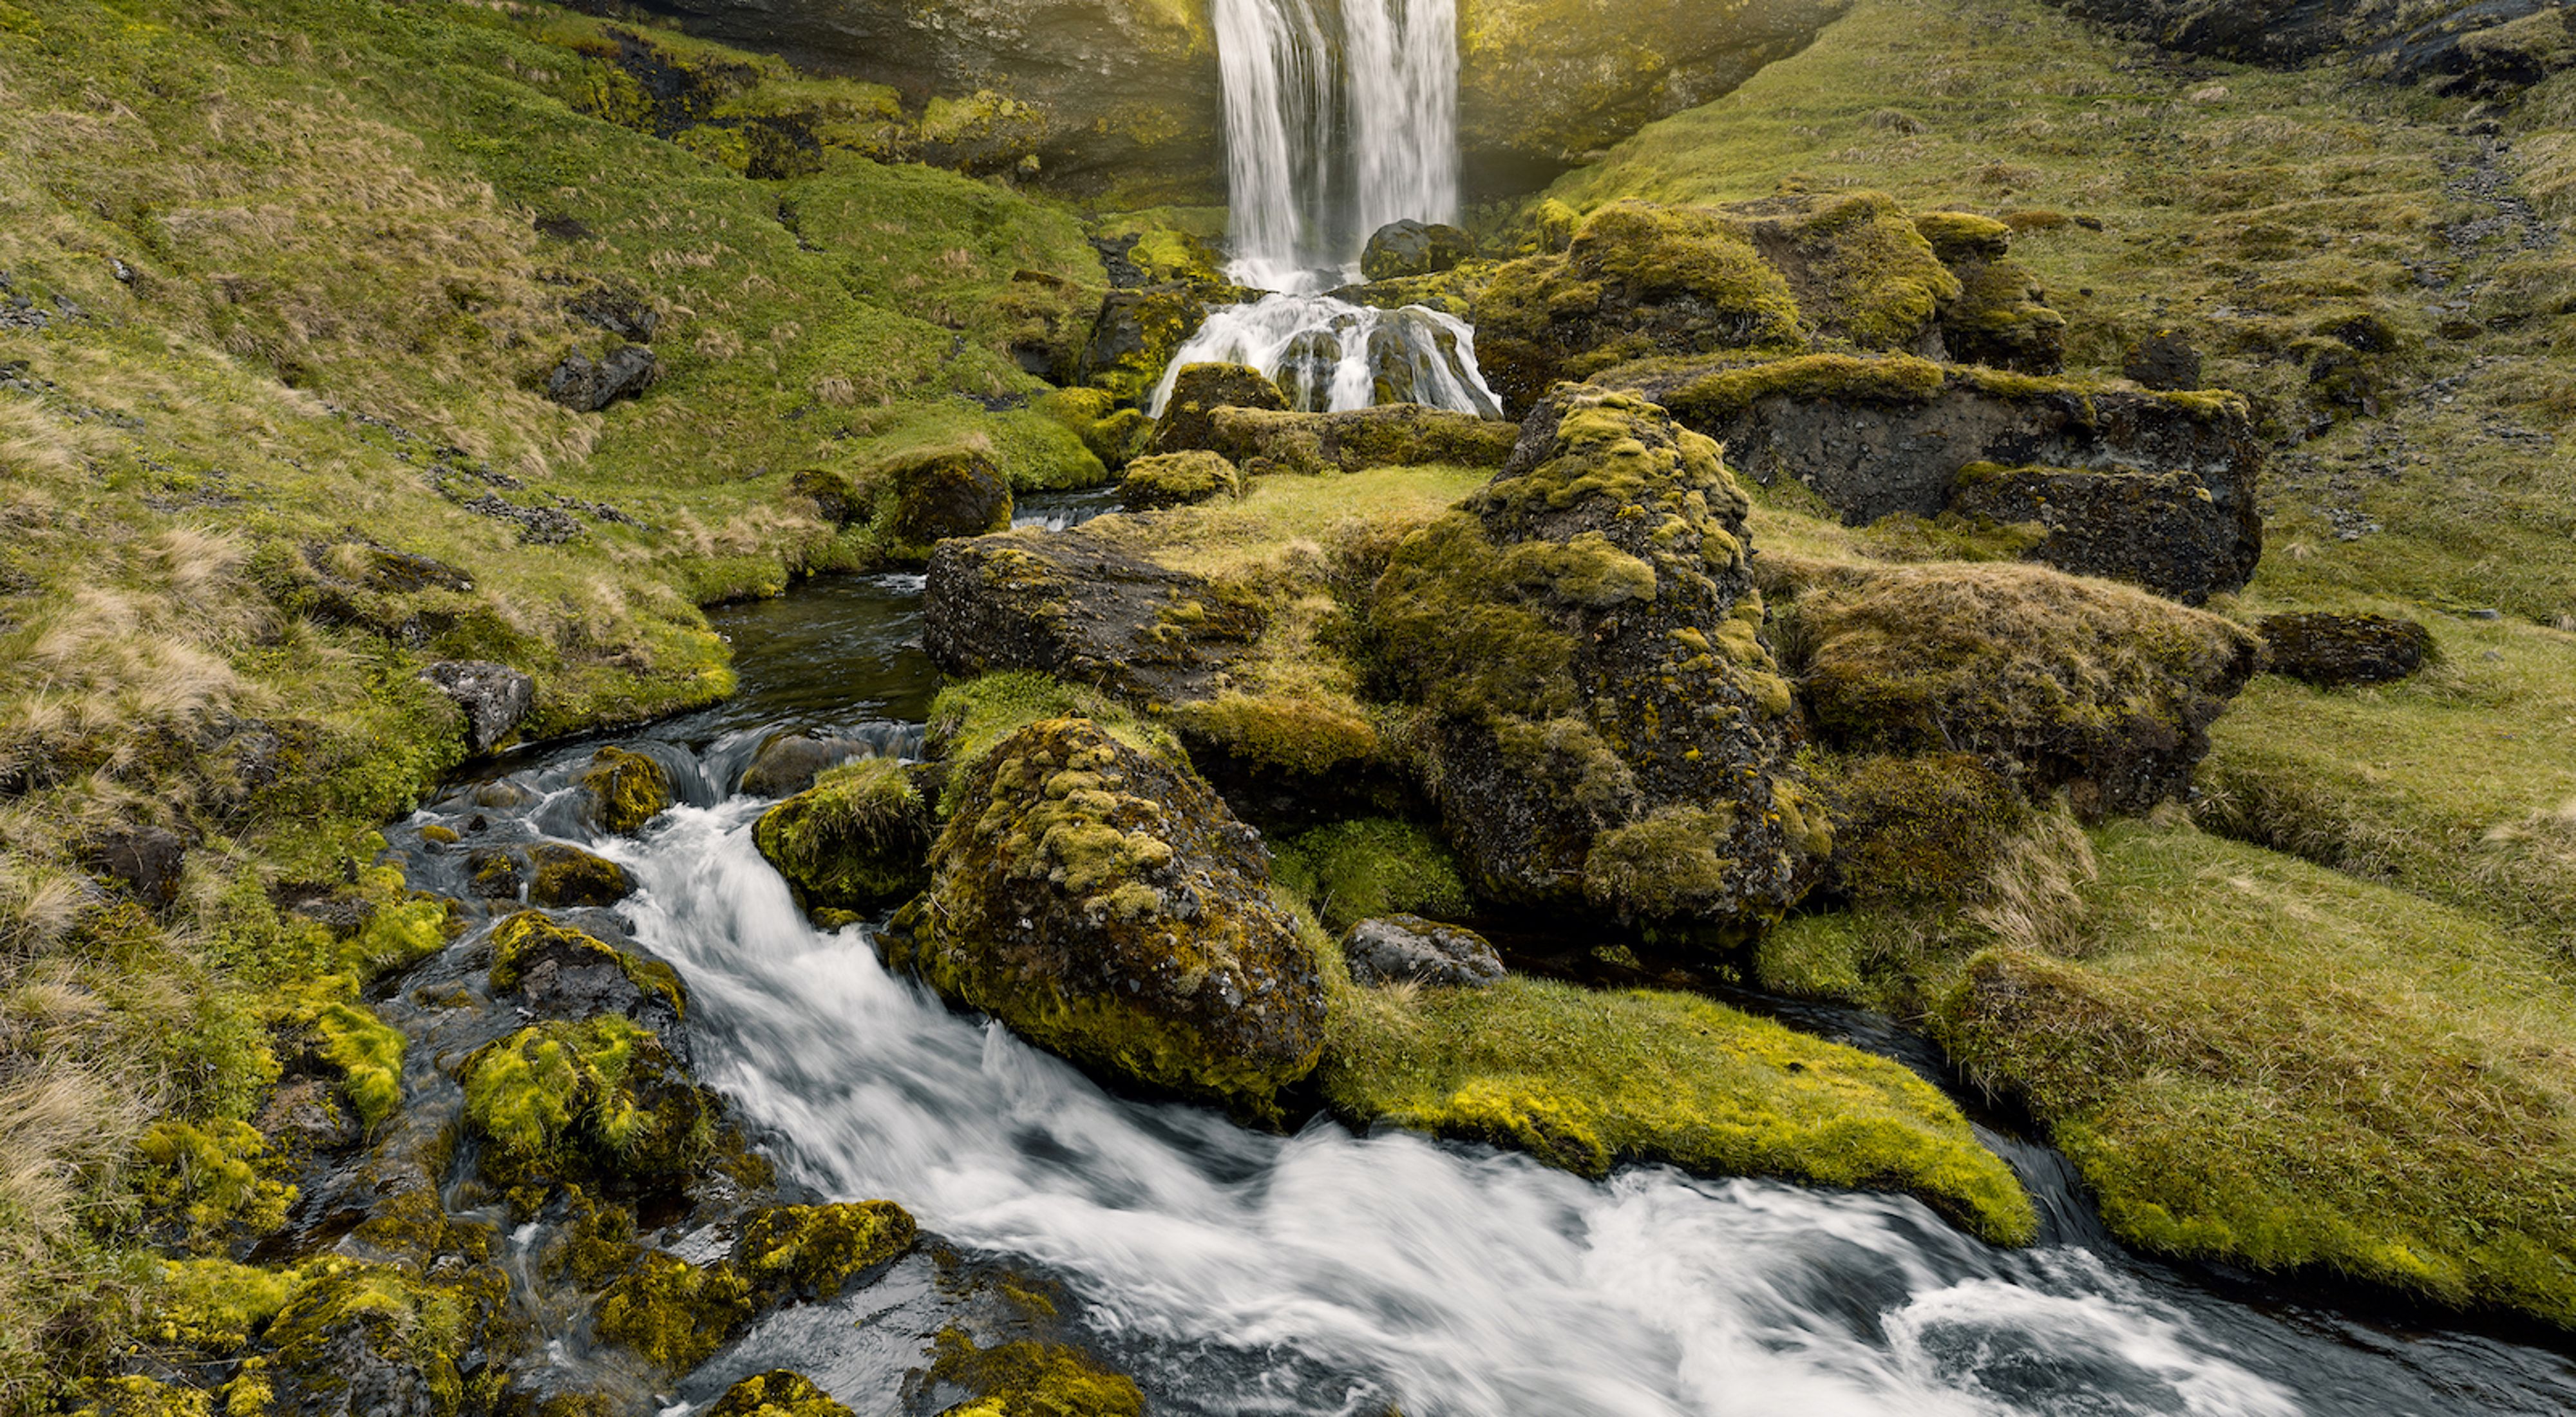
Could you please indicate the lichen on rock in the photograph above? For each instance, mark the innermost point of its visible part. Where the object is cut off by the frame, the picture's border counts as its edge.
(1110, 908)
(572, 1100)
(627, 789)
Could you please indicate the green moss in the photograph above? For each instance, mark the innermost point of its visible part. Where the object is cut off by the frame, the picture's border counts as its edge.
(817, 1250)
(1352, 871)
(858, 839)
(673, 1313)
(216, 1306)
(1961, 237)
(968, 719)
(565, 1100)
(397, 1317)
(135, 1395)
(517, 940)
(777, 1393)
(1926, 828)
(369, 1054)
(1860, 269)
(397, 934)
(215, 1175)
(568, 875)
(1178, 480)
(1840, 378)
(1585, 1080)
(2257, 1060)
(1116, 436)
(1026, 1378)
(627, 789)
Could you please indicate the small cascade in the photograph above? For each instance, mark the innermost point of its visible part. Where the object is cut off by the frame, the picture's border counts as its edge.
(1330, 355)
(1338, 120)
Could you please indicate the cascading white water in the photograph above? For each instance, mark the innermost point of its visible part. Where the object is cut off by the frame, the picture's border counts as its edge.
(1320, 154)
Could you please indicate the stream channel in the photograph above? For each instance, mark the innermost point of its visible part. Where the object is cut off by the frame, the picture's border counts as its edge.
(1322, 1272)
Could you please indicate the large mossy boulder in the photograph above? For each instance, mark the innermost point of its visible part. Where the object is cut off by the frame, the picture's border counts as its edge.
(592, 1101)
(858, 839)
(1198, 391)
(1878, 436)
(1609, 728)
(1641, 281)
(1108, 908)
(1177, 480)
(1414, 248)
(1083, 606)
(555, 970)
(908, 501)
(623, 790)
(2101, 690)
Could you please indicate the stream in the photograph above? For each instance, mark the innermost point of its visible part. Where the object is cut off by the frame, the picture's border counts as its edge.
(1323, 1272)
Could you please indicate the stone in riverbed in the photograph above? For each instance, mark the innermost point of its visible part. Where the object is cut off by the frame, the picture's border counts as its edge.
(1414, 248)
(1110, 909)
(494, 698)
(1398, 948)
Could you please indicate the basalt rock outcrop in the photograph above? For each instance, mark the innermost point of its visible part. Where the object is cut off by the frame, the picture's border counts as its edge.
(2333, 651)
(1111, 909)
(1607, 726)
(1081, 606)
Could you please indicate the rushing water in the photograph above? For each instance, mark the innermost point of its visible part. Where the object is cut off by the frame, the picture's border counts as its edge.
(1339, 118)
(1324, 1272)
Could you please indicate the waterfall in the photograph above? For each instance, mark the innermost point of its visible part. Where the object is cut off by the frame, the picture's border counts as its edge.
(1338, 120)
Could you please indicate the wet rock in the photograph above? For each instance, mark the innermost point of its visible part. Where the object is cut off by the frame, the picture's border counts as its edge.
(147, 861)
(1177, 480)
(587, 386)
(1198, 391)
(1395, 949)
(1136, 334)
(1979, 659)
(626, 790)
(495, 872)
(495, 698)
(1077, 605)
(1878, 436)
(787, 763)
(777, 1393)
(1608, 728)
(1110, 909)
(2163, 360)
(2338, 650)
(1391, 435)
(858, 839)
(561, 874)
(596, 1099)
(559, 971)
(1414, 248)
(2159, 530)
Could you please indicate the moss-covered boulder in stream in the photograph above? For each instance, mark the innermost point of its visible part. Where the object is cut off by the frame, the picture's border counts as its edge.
(1608, 726)
(1109, 908)
(904, 503)
(1198, 391)
(858, 839)
(595, 1099)
(625, 790)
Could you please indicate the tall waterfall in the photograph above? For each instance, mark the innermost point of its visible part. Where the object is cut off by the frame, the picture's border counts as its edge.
(1339, 118)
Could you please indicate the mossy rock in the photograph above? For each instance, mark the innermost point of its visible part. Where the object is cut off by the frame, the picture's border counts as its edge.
(1609, 728)
(2001, 318)
(1352, 871)
(1414, 248)
(2094, 687)
(598, 1099)
(675, 1314)
(927, 497)
(2336, 651)
(858, 839)
(2161, 530)
(777, 1393)
(627, 790)
(1026, 1378)
(1110, 909)
(1177, 480)
(1927, 828)
(1136, 336)
(560, 971)
(565, 875)
(1860, 269)
(1964, 238)
(1390, 435)
(1198, 391)
(1638, 281)
(1115, 435)
(356, 1329)
(1585, 1080)
(1454, 291)
(815, 1251)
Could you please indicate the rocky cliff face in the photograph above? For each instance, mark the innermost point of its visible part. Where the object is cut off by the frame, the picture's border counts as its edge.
(2475, 46)
(1125, 93)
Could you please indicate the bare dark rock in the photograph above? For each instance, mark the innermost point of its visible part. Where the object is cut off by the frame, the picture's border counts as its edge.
(586, 386)
(2164, 360)
(1414, 248)
(788, 763)
(146, 861)
(2338, 650)
(2160, 530)
(1075, 605)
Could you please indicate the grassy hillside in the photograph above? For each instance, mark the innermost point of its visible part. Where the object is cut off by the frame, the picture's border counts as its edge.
(279, 292)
